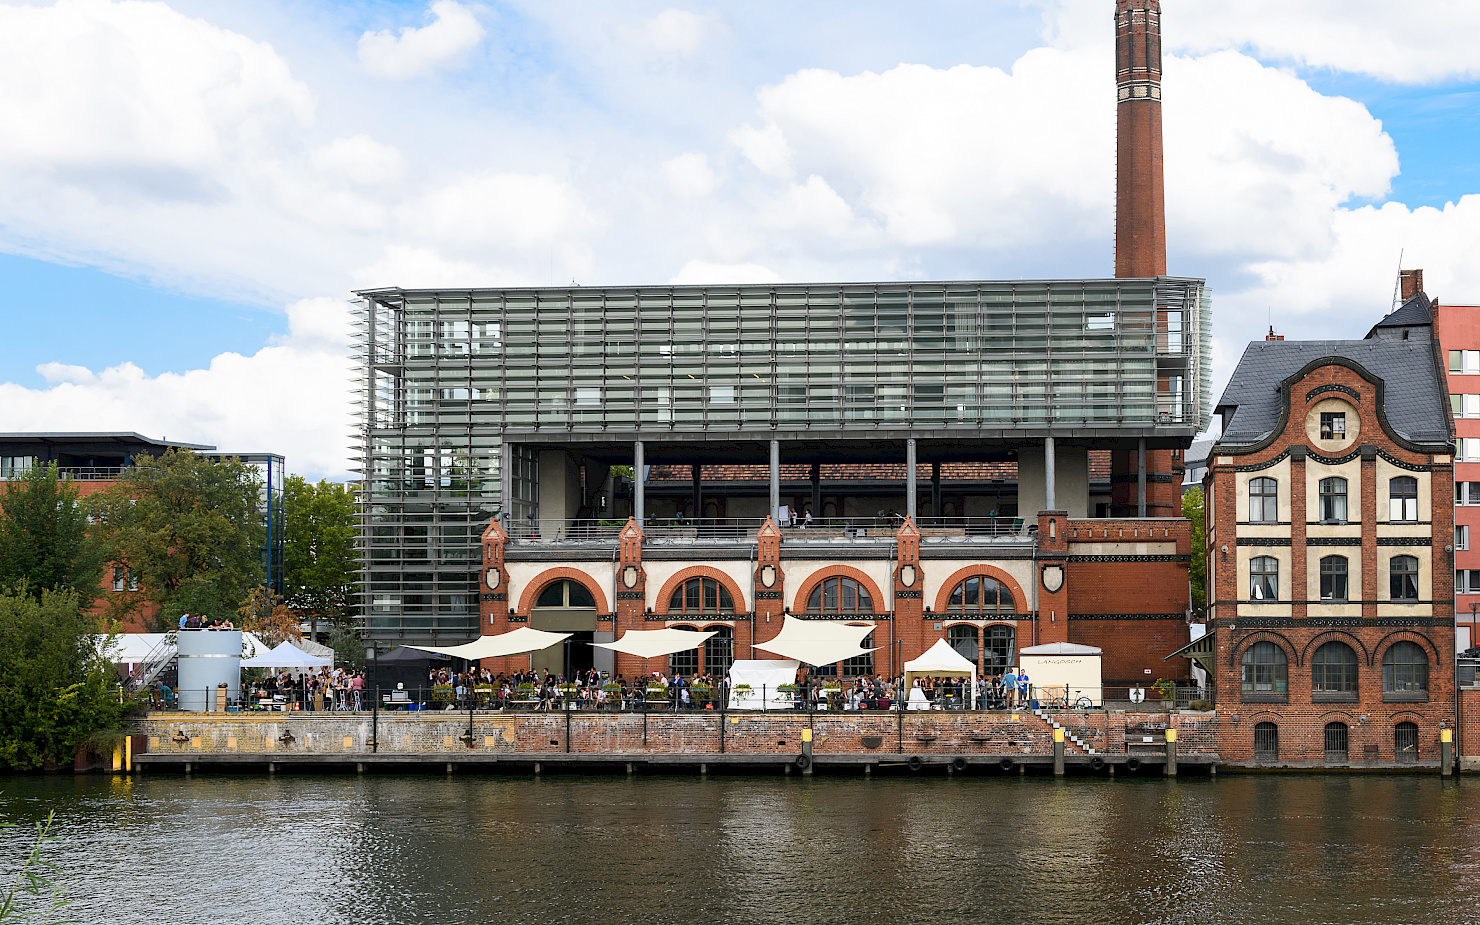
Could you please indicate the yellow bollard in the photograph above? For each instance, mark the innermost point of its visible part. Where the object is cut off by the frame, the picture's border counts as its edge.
(1058, 752)
(128, 754)
(1446, 752)
(1171, 753)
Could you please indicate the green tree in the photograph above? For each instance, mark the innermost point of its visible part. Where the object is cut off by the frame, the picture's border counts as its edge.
(44, 539)
(319, 556)
(190, 528)
(1197, 569)
(57, 689)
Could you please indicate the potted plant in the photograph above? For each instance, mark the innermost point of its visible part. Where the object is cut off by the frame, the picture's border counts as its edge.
(1166, 691)
(442, 693)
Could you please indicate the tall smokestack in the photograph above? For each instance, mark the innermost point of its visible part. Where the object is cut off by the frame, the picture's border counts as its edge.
(1140, 200)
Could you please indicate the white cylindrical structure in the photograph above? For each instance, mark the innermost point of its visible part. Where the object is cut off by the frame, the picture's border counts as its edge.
(208, 659)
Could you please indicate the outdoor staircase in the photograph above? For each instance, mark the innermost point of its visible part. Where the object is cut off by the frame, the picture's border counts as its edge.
(158, 659)
(1069, 737)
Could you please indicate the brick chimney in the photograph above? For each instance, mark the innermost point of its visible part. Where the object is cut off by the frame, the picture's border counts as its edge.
(1412, 283)
(1272, 335)
(1140, 198)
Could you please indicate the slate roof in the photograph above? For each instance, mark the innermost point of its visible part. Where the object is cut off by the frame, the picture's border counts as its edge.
(1418, 310)
(1415, 395)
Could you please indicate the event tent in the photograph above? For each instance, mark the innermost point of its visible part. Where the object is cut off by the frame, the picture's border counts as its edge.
(653, 643)
(818, 642)
(287, 655)
(764, 678)
(517, 642)
(939, 661)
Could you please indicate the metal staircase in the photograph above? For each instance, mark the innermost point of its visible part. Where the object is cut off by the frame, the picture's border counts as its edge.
(159, 658)
(1069, 736)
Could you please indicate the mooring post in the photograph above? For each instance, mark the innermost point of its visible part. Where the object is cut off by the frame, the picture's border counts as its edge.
(1446, 752)
(1171, 753)
(536, 769)
(1058, 752)
(359, 767)
(807, 752)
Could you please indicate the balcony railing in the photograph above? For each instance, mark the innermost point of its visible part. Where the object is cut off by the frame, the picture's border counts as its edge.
(70, 473)
(743, 529)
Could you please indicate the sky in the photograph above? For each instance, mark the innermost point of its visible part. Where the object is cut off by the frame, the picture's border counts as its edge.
(191, 191)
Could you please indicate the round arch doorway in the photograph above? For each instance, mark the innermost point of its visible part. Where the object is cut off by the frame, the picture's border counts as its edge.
(565, 606)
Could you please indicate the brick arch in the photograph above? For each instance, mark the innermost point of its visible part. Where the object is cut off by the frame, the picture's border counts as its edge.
(1236, 654)
(799, 602)
(1321, 639)
(660, 605)
(943, 597)
(1326, 717)
(538, 583)
(1386, 642)
(1265, 716)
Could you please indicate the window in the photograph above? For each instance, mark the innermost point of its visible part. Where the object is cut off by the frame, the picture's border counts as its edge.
(1467, 493)
(1403, 578)
(1266, 742)
(1332, 495)
(999, 649)
(1264, 502)
(963, 640)
(1467, 581)
(860, 666)
(1405, 742)
(1264, 579)
(686, 662)
(839, 595)
(701, 595)
(1333, 673)
(1465, 406)
(1405, 672)
(980, 594)
(565, 593)
(1462, 536)
(124, 579)
(1336, 738)
(1469, 450)
(1333, 425)
(1266, 676)
(1403, 498)
(1464, 361)
(719, 651)
(1333, 578)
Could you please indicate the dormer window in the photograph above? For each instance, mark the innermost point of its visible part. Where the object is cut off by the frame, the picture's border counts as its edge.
(1333, 425)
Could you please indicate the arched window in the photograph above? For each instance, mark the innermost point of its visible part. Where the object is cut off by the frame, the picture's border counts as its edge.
(686, 662)
(1333, 673)
(1264, 501)
(963, 640)
(1403, 578)
(1403, 498)
(719, 651)
(1336, 743)
(1405, 672)
(980, 594)
(1266, 742)
(1405, 742)
(860, 666)
(701, 595)
(839, 595)
(1264, 578)
(1266, 673)
(565, 593)
(1332, 495)
(1333, 578)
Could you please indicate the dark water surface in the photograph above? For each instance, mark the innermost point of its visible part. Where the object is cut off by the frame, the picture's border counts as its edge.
(1309, 850)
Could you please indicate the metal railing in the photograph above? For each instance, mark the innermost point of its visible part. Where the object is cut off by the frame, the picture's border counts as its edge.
(743, 529)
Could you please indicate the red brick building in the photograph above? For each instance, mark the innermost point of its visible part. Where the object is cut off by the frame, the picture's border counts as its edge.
(1329, 544)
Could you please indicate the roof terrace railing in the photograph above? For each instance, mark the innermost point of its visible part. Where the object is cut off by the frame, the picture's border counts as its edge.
(743, 529)
(70, 473)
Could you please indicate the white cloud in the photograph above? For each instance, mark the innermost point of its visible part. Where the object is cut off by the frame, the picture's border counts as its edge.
(764, 147)
(500, 210)
(670, 34)
(360, 159)
(810, 206)
(289, 398)
(689, 175)
(444, 42)
(61, 372)
(700, 272)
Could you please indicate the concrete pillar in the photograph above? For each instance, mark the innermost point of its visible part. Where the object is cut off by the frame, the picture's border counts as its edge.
(775, 477)
(1141, 477)
(909, 479)
(639, 505)
(1050, 502)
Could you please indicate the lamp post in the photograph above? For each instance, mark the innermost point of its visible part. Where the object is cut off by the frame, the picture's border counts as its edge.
(371, 660)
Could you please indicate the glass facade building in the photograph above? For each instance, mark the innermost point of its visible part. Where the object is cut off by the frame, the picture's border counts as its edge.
(459, 388)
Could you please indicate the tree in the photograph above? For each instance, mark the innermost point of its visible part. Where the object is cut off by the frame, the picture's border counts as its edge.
(190, 528)
(319, 556)
(1197, 569)
(44, 539)
(265, 614)
(57, 689)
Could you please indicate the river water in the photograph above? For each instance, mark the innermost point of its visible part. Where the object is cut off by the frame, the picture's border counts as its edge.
(1255, 849)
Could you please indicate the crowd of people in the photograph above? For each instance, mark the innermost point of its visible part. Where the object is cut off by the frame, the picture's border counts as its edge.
(323, 690)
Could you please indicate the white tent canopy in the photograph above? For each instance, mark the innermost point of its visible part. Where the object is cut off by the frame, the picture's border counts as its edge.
(818, 642)
(755, 684)
(653, 643)
(287, 655)
(517, 642)
(939, 661)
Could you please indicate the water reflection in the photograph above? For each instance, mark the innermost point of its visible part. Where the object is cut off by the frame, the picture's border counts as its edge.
(1349, 849)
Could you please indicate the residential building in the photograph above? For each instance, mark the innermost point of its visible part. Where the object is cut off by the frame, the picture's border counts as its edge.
(1458, 330)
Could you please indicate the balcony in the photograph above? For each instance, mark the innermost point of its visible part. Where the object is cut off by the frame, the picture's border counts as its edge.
(742, 530)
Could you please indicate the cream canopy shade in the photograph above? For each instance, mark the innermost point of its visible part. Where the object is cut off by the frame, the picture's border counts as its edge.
(653, 643)
(818, 642)
(517, 642)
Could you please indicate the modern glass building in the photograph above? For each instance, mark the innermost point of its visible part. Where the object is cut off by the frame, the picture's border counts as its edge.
(516, 402)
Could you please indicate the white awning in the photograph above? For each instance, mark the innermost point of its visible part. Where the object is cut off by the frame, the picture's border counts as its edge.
(287, 655)
(517, 642)
(818, 642)
(941, 659)
(653, 643)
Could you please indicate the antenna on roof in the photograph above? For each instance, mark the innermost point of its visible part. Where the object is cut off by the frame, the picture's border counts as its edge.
(1398, 283)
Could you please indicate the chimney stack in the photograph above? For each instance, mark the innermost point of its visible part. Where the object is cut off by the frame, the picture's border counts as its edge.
(1412, 283)
(1140, 199)
(1272, 335)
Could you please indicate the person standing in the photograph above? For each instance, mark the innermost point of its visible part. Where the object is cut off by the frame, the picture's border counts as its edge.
(1024, 686)
(1009, 683)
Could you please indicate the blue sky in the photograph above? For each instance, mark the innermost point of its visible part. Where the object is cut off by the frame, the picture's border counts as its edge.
(190, 191)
